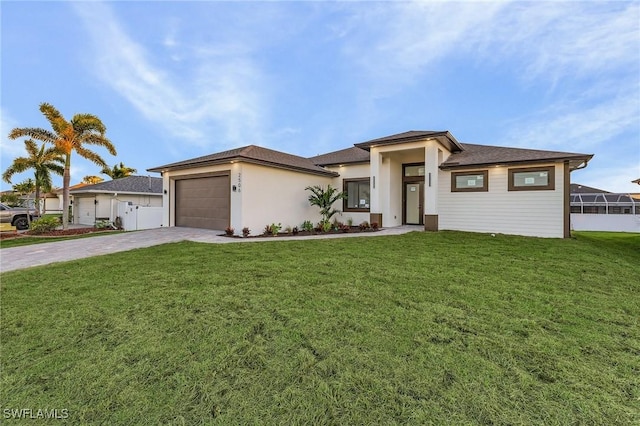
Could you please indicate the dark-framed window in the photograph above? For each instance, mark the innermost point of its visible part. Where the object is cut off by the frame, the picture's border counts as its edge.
(532, 178)
(358, 195)
(474, 181)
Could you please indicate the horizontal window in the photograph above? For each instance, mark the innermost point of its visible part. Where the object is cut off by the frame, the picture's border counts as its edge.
(358, 198)
(532, 179)
(416, 170)
(477, 181)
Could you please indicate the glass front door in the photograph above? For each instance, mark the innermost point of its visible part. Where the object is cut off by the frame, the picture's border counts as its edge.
(413, 202)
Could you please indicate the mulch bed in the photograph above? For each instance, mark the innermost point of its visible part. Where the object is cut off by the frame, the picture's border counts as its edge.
(352, 230)
(56, 233)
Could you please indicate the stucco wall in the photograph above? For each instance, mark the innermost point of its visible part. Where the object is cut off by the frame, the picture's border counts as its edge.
(531, 213)
(271, 195)
(349, 171)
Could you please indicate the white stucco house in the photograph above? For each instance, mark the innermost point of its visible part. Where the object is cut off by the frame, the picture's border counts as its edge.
(418, 177)
(100, 201)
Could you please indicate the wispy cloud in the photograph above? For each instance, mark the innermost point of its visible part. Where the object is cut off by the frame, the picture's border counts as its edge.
(558, 47)
(212, 94)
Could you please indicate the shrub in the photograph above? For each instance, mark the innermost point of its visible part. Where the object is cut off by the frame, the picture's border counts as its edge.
(276, 228)
(229, 231)
(345, 228)
(44, 224)
(374, 226)
(103, 224)
(295, 230)
(287, 230)
(364, 226)
(307, 225)
(272, 229)
(350, 221)
(326, 226)
(245, 232)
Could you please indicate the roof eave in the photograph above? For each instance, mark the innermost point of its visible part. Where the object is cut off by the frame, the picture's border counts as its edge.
(170, 168)
(575, 162)
(93, 191)
(445, 138)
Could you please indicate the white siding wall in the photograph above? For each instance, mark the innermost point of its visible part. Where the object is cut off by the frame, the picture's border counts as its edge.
(351, 171)
(86, 211)
(271, 195)
(531, 213)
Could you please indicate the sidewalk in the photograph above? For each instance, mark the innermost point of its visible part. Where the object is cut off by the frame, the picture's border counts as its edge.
(61, 251)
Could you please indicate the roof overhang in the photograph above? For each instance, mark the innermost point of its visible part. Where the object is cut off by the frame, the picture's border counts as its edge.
(575, 163)
(96, 192)
(445, 138)
(243, 159)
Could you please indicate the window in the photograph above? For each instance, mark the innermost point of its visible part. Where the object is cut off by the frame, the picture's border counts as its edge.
(357, 195)
(532, 179)
(477, 181)
(414, 170)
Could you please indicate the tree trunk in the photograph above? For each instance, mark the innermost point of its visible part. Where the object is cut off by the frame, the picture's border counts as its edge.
(65, 192)
(36, 204)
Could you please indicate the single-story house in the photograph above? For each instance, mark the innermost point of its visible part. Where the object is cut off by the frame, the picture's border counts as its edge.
(92, 203)
(424, 178)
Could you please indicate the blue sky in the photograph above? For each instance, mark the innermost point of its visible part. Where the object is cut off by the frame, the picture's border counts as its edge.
(175, 80)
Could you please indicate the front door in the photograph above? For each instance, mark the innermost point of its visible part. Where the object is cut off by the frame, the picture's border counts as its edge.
(413, 203)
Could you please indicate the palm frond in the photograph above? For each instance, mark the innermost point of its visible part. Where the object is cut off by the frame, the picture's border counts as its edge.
(90, 155)
(33, 133)
(57, 120)
(99, 140)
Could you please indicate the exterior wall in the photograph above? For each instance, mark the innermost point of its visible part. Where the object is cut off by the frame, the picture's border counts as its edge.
(351, 171)
(605, 222)
(107, 206)
(531, 213)
(271, 195)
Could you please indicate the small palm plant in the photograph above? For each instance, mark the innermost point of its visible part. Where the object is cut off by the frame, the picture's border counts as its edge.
(325, 198)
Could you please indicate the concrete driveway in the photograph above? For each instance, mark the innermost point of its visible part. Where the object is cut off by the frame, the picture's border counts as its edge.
(61, 251)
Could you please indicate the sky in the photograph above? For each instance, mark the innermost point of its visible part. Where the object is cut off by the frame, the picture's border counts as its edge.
(176, 80)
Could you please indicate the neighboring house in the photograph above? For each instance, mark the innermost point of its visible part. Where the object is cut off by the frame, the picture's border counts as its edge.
(92, 203)
(418, 177)
(594, 209)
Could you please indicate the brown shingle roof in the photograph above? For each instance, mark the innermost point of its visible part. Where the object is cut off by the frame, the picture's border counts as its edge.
(483, 155)
(344, 156)
(250, 154)
(444, 137)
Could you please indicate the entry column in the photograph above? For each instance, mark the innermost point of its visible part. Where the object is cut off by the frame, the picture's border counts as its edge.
(431, 163)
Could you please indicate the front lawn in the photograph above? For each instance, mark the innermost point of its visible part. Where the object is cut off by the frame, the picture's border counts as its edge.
(442, 328)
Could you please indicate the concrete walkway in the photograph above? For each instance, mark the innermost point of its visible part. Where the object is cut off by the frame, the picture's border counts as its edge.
(61, 251)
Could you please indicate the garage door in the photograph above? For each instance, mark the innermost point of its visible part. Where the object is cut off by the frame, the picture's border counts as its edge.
(203, 202)
(85, 208)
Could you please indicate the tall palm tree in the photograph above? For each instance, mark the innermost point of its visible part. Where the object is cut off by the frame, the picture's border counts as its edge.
(69, 136)
(118, 171)
(43, 161)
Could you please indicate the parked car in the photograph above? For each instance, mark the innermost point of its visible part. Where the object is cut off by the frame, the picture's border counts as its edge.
(16, 216)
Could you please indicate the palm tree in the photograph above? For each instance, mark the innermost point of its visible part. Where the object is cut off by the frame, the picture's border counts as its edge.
(118, 171)
(92, 179)
(67, 137)
(324, 198)
(43, 161)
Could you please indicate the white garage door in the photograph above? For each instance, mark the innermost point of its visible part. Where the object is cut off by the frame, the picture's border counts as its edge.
(85, 208)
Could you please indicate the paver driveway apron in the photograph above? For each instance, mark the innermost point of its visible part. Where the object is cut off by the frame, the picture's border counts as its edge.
(61, 251)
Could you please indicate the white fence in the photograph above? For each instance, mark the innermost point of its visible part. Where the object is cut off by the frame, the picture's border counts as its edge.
(605, 222)
(134, 218)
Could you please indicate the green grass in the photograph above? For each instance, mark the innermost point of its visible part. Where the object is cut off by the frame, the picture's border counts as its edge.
(27, 241)
(422, 328)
